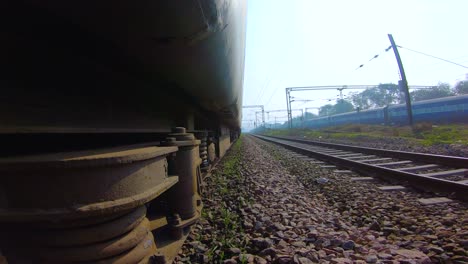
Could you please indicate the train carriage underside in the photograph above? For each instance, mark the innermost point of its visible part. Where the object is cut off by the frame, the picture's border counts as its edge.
(109, 112)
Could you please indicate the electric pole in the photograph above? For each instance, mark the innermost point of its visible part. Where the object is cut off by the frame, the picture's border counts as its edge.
(403, 83)
(288, 104)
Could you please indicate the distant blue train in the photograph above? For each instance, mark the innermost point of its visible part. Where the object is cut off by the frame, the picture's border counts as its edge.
(452, 109)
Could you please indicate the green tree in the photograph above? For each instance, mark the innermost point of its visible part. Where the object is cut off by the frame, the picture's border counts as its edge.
(308, 115)
(441, 90)
(359, 100)
(461, 87)
(379, 96)
(326, 110)
(343, 106)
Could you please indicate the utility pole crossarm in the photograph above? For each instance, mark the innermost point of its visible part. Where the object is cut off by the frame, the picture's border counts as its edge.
(273, 111)
(330, 87)
(258, 106)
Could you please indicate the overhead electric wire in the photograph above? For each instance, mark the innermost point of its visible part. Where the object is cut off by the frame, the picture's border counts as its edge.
(285, 55)
(435, 66)
(274, 92)
(265, 85)
(432, 56)
(373, 58)
(271, 76)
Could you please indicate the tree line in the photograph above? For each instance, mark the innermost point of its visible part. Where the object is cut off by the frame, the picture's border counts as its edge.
(388, 94)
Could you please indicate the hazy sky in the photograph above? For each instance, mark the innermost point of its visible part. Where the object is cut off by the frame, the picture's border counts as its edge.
(311, 43)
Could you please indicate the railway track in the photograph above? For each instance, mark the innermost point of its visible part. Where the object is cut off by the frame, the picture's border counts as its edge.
(436, 173)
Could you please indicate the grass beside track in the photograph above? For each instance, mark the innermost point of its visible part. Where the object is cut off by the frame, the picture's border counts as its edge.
(425, 134)
(221, 223)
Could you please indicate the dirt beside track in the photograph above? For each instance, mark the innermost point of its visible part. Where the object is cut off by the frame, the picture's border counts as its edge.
(264, 205)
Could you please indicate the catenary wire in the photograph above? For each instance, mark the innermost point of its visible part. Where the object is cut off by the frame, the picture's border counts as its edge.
(432, 56)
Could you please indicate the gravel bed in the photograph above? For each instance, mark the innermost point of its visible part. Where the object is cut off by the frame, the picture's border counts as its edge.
(289, 211)
(401, 144)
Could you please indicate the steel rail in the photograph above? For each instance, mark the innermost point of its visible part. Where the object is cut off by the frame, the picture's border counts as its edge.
(450, 161)
(459, 190)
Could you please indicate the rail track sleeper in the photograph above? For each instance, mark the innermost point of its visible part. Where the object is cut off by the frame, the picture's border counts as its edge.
(327, 149)
(463, 181)
(328, 152)
(336, 152)
(392, 188)
(362, 157)
(450, 161)
(343, 171)
(317, 162)
(362, 179)
(446, 173)
(374, 160)
(418, 181)
(350, 155)
(396, 163)
(435, 200)
(418, 168)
